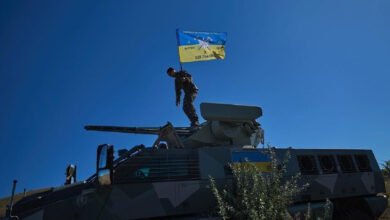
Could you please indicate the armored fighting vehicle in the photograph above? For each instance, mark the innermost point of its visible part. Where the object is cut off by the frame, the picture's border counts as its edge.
(170, 179)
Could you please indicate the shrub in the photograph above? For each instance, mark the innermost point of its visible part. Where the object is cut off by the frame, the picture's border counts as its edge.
(257, 195)
(386, 168)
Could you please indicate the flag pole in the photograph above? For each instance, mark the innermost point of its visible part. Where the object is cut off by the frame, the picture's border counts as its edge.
(178, 50)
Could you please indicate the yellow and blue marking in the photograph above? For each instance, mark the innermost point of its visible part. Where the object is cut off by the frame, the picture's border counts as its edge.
(261, 160)
(200, 46)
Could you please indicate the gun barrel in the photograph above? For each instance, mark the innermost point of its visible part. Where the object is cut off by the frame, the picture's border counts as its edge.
(181, 131)
(134, 130)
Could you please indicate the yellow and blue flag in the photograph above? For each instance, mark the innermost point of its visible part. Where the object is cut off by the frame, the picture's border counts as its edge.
(261, 160)
(200, 46)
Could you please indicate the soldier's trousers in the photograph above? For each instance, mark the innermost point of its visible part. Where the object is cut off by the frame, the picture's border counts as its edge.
(189, 108)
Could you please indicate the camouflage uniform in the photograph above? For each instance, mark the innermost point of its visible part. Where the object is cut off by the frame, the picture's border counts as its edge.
(183, 81)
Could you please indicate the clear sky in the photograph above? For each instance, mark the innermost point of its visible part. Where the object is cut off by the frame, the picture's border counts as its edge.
(319, 69)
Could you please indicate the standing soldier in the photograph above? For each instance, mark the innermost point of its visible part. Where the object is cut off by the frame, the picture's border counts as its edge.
(70, 173)
(183, 80)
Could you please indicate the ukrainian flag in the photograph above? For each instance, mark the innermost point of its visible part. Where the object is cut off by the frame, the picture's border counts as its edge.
(200, 46)
(261, 160)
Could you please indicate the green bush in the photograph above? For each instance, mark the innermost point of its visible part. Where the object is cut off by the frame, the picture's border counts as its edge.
(257, 195)
(386, 168)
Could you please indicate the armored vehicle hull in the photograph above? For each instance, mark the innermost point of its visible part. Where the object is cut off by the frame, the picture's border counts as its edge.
(175, 183)
(171, 178)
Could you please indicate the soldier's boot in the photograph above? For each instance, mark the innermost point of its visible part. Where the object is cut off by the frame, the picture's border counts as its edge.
(189, 109)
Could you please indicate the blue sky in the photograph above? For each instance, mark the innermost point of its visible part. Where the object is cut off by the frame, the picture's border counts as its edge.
(319, 69)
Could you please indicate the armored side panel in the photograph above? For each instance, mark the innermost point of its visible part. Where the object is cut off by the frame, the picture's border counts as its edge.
(350, 178)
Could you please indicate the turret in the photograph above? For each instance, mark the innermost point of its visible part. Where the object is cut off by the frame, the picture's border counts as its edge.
(226, 125)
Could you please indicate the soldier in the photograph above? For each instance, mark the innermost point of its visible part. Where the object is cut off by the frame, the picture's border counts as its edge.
(70, 173)
(183, 80)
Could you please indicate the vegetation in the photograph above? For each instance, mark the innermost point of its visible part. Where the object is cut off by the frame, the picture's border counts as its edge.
(386, 168)
(255, 195)
(386, 175)
(386, 214)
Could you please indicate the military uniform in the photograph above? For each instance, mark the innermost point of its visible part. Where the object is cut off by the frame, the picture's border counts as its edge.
(183, 80)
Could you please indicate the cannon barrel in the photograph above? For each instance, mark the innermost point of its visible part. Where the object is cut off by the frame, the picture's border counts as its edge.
(181, 131)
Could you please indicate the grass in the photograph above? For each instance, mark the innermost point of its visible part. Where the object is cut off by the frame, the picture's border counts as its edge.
(5, 201)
